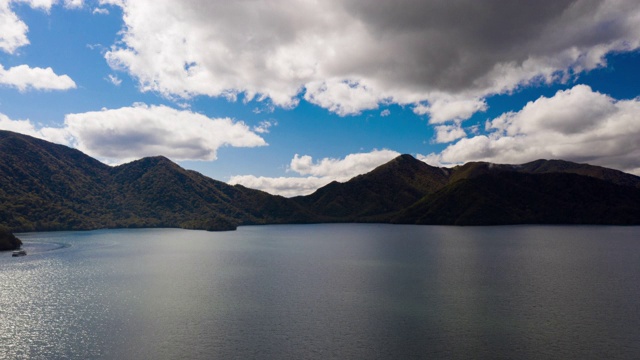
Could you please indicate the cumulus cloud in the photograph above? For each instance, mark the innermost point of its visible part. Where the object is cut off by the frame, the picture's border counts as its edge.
(13, 35)
(577, 124)
(27, 127)
(284, 186)
(13, 31)
(25, 78)
(349, 56)
(129, 133)
(141, 130)
(342, 97)
(341, 169)
(449, 133)
(100, 11)
(443, 109)
(316, 174)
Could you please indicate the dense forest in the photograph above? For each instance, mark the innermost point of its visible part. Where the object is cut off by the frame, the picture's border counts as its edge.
(45, 187)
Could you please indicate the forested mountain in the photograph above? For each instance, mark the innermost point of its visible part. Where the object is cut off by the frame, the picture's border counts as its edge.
(377, 195)
(510, 197)
(44, 186)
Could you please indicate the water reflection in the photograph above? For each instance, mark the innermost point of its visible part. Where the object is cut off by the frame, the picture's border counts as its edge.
(325, 291)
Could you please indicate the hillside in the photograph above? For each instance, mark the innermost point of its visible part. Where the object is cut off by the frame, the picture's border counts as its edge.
(617, 177)
(52, 187)
(374, 196)
(45, 186)
(498, 198)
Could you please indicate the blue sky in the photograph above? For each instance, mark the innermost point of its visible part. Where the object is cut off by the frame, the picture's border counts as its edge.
(288, 96)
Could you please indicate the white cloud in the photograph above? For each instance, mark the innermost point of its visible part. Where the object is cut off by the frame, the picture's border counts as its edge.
(263, 127)
(112, 2)
(13, 35)
(341, 169)
(25, 78)
(284, 186)
(385, 113)
(37, 4)
(100, 11)
(578, 124)
(129, 133)
(432, 159)
(142, 130)
(443, 109)
(114, 80)
(316, 174)
(449, 133)
(73, 4)
(13, 31)
(349, 56)
(56, 135)
(342, 97)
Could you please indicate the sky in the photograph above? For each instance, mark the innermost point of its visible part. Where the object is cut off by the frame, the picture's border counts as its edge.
(287, 96)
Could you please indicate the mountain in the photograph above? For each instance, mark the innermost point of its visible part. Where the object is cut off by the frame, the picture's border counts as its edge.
(617, 177)
(511, 197)
(406, 190)
(375, 196)
(44, 186)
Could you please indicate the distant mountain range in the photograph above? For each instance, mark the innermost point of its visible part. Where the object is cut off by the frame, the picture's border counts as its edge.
(45, 186)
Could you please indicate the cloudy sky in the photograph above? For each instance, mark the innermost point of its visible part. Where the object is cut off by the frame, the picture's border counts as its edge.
(286, 96)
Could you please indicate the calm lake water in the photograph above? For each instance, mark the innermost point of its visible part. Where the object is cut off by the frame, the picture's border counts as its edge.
(325, 292)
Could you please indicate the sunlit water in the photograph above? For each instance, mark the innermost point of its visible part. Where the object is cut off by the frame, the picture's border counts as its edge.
(324, 291)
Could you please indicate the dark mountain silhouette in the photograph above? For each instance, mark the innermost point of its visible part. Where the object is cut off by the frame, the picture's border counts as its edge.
(509, 197)
(44, 186)
(617, 177)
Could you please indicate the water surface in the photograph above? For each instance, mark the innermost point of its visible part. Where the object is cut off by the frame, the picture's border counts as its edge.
(347, 291)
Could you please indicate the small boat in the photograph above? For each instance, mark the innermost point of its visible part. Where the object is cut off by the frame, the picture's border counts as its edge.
(20, 252)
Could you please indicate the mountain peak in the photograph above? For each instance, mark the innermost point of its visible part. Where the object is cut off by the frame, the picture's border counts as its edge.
(147, 163)
(406, 157)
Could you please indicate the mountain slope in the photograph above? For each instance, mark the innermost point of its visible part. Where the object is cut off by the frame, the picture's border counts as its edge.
(378, 194)
(474, 169)
(522, 198)
(52, 187)
(44, 186)
(406, 190)
(559, 166)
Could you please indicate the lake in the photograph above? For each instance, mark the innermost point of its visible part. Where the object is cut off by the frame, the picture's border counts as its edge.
(331, 291)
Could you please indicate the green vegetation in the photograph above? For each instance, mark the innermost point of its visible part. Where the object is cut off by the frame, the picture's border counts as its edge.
(52, 187)
(522, 198)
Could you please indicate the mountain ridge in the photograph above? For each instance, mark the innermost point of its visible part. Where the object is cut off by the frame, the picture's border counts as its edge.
(46, 186)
